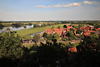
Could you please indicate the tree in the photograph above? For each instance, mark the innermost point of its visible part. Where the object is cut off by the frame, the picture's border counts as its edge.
(30, 24)
(51, 36)
(64, 26)
(75, 26)
(10, 46)
(97, 26)
(36, 38)
(79, 31)
(58, 27)
(90, 43)
(16, 25)
(45, 35)
(71, 35)
(1, 26)
(80, 25)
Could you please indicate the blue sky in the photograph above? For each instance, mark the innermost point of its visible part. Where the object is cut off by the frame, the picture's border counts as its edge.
(49, 10)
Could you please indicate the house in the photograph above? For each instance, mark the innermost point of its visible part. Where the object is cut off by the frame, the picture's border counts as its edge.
(29, 26)
(49, 31)
(87, 28)
(88, 33)
(69, 27)
(98, 29)
(72, 49)
(56, 30)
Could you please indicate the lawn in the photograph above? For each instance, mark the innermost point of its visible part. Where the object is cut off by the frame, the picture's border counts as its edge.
(25, 34)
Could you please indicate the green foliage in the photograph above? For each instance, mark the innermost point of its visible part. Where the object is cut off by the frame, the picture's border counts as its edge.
(30, 24)
(16, 25)
(36, 37)
(71, 35)
(97, 26)
(70, 45)
(80, 25)
(94, 36)
(52, 36)
(64, 39)
(52, 27)
(45, 35)
(75, 26)
(79, 31)
(56, 36)
(49, 37)
(64, 26)
(91, 42)
(10, 46)
(1, 26)
(58, 27)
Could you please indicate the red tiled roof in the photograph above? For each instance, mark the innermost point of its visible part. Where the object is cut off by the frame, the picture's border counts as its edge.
(87, 33)
(56, 30)
(85, 28)
(72, 49)
(68, 27)
(49, 31)
(91, 31)
(82, 28)
(98, 29)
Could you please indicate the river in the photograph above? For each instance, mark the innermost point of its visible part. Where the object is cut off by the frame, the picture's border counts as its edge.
(15, 29)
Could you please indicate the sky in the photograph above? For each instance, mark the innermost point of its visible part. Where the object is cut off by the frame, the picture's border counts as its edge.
(49, 10)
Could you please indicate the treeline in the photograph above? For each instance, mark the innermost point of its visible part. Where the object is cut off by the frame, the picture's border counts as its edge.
(24, 24)
(43, 23)
(80, 22)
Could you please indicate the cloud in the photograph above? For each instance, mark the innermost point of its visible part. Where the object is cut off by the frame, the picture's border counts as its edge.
(88, 2)
(75, 4)
(59, 5)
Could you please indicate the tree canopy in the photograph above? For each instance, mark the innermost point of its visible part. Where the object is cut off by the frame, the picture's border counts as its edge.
(10, 46)
(1, 26)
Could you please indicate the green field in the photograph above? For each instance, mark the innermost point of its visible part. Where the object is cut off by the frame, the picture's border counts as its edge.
(25, 33)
